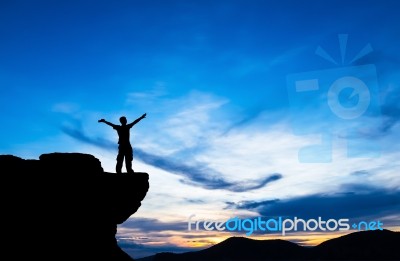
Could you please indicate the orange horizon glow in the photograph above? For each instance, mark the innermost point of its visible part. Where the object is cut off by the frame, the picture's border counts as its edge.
(309, 239)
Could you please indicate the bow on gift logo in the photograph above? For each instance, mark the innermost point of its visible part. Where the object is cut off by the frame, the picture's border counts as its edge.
(339, 103)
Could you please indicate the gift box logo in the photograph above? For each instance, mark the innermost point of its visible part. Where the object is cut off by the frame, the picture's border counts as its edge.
(339, 104)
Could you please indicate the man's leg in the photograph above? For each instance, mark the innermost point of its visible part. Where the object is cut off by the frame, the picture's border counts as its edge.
(128, 164)
(120, 160)
(128, 160)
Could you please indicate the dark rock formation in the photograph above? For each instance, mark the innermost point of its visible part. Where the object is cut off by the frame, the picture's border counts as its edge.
(64, 206)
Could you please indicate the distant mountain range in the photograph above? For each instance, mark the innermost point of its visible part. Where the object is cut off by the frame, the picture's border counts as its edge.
(363, 245)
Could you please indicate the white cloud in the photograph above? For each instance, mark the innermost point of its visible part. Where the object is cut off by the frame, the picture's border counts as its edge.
(65, 107)
(156, 92)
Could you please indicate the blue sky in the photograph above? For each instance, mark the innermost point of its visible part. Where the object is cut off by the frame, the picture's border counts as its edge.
(226, 132)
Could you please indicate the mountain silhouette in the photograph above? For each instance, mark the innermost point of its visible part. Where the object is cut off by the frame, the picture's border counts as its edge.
(65, 207)
(362, 245)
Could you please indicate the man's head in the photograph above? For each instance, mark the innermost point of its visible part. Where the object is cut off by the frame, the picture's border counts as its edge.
(123, 120)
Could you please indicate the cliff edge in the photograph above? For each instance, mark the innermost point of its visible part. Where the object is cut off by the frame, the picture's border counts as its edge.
(65, 206)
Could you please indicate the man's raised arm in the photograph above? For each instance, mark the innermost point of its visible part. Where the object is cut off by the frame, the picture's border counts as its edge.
(107, 122)
(137, 120)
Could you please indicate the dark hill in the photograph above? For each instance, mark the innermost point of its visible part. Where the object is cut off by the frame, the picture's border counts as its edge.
(362, 246)
(248, 249)
(65, 207)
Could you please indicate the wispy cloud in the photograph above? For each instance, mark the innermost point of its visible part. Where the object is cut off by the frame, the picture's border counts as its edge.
(65, 107)
(157, 91)
(77, 132)
(389, 80)
(390, 109)
(243, 186)
(153, 225)
(355, 201)
(195, 175)
(361, 173)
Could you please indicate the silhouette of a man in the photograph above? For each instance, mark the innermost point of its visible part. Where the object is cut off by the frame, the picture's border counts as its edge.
(124, 146)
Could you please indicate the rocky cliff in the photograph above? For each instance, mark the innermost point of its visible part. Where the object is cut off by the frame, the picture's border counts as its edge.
(64, 206)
